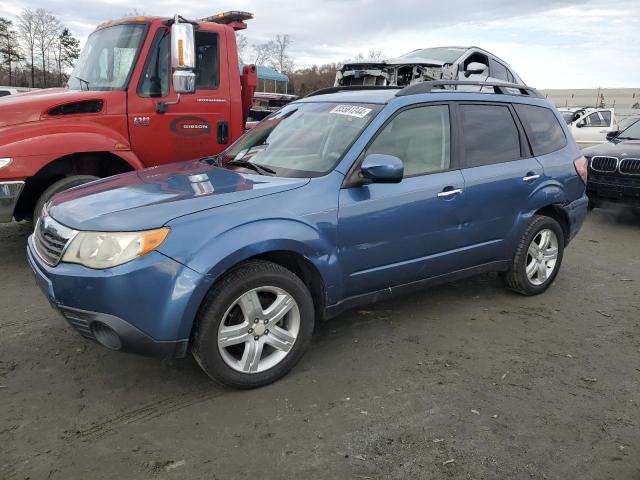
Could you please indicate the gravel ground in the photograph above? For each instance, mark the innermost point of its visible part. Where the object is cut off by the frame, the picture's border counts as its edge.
(467, 380)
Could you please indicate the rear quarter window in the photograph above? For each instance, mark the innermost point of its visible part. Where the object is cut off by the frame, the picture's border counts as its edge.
(543, 129)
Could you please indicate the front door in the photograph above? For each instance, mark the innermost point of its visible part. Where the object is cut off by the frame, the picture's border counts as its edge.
(392, 234)
(196, 126)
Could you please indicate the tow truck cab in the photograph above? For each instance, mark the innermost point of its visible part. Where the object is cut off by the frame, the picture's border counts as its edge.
(144, 92)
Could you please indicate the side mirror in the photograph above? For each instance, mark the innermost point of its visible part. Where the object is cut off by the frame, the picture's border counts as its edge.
(475, 68)
(183, 57)
(612, 135)
(581, 123)
(379, 168)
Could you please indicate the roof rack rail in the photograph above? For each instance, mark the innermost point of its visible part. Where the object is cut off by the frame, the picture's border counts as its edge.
(500, 88)
(350, 88)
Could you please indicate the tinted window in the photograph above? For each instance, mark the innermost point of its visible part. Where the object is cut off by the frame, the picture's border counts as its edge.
(419, 137)
(542, 127)
(498, 70)
(4, 93)
(207, 60)
(155, 79)
(490, 135)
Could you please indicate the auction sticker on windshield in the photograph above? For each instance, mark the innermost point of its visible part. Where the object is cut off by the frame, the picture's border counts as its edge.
(351, 110)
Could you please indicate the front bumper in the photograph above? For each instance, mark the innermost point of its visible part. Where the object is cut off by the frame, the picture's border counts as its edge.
(614, 187)
(9, 195)
(146, 306)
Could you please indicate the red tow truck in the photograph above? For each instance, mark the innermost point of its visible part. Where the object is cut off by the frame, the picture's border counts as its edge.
(145, 91)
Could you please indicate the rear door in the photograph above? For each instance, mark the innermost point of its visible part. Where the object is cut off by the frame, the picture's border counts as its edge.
(195, 127)
(499, 174)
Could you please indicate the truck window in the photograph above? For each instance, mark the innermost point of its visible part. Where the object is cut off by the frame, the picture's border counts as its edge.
(155, 78)
(498, 70)
(207, 60)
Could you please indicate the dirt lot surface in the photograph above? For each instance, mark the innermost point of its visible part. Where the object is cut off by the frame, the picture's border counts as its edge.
(466, 380)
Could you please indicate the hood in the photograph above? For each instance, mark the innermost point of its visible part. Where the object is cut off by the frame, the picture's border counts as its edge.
(32, 106)
(617, 148)
(150, 198)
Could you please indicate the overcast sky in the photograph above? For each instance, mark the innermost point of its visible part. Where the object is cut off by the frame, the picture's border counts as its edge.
(550, 43)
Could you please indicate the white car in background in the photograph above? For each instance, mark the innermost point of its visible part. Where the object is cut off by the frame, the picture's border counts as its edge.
(590, 126)
(4, 92)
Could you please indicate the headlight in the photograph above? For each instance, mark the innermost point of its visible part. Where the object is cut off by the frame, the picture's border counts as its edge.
(5, 162)
(108, 249)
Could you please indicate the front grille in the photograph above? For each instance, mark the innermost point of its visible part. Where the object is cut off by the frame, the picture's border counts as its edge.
(630, 166)
(50, 239)
(616, 179)
(604, 164)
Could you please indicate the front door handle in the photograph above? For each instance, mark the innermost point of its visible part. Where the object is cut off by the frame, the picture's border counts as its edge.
(450, 193)
(223, 132)
(530, 177)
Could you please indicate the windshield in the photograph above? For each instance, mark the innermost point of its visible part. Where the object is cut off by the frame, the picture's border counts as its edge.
(108, 57)
(632, 132)
(443, 54)
(627, 122)
(303, 139)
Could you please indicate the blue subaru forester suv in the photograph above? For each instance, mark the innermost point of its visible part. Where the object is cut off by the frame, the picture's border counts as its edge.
(342, 198)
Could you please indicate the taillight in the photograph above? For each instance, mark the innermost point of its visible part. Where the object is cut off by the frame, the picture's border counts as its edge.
(581, 168)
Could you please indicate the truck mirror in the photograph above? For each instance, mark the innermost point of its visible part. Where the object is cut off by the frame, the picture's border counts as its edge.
(183, 57)
(183, 47)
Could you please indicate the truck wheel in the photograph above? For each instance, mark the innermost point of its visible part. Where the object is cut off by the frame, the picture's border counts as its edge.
(60, 185)
(254, 325)
(538, 257)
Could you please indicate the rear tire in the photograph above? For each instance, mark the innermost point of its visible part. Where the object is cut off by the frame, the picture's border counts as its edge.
(238, 340)
(57, 187)
(538, 257)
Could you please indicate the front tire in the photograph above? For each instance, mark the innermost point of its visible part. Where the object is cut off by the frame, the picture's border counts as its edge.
(538, 257)
(254, 325)
(57, 187)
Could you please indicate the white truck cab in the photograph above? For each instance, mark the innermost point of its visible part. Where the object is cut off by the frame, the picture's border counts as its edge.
(590, 126)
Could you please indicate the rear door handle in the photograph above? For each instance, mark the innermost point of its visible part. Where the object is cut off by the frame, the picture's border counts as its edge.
(450, 193)
(530, 177)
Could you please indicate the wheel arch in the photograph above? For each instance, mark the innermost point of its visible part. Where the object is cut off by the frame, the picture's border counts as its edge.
(98, 163)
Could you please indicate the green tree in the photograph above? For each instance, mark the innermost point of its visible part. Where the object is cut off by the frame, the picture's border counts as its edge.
(67, 52)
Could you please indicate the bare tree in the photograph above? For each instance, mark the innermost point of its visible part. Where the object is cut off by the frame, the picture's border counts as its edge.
(376, 54)
(27, 32)
(242, 43)
(48, 29)
(280, 58)
(262, 53)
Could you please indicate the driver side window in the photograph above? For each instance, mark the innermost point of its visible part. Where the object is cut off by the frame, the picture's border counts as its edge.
(419, 137)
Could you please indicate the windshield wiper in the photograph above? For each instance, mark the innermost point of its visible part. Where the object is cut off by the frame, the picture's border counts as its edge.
(628, 138)
(212, 160)
(82, 81)
(261, 169)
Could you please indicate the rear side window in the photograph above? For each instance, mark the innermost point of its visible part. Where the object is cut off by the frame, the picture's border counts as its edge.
(207, 60)
(543, 129)
(419, 137)
(490, 135)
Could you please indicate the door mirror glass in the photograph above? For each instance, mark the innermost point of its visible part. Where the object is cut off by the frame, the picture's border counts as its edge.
(381, 168)
(183, 57)
(475, 68)
(183, 47)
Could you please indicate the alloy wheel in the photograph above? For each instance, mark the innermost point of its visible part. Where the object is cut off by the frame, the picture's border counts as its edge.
(259, 329)
(542, 256)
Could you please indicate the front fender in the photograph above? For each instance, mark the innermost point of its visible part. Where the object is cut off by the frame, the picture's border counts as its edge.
(32, 146)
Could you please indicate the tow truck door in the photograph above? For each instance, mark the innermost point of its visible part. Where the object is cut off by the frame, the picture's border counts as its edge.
(195, 127)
